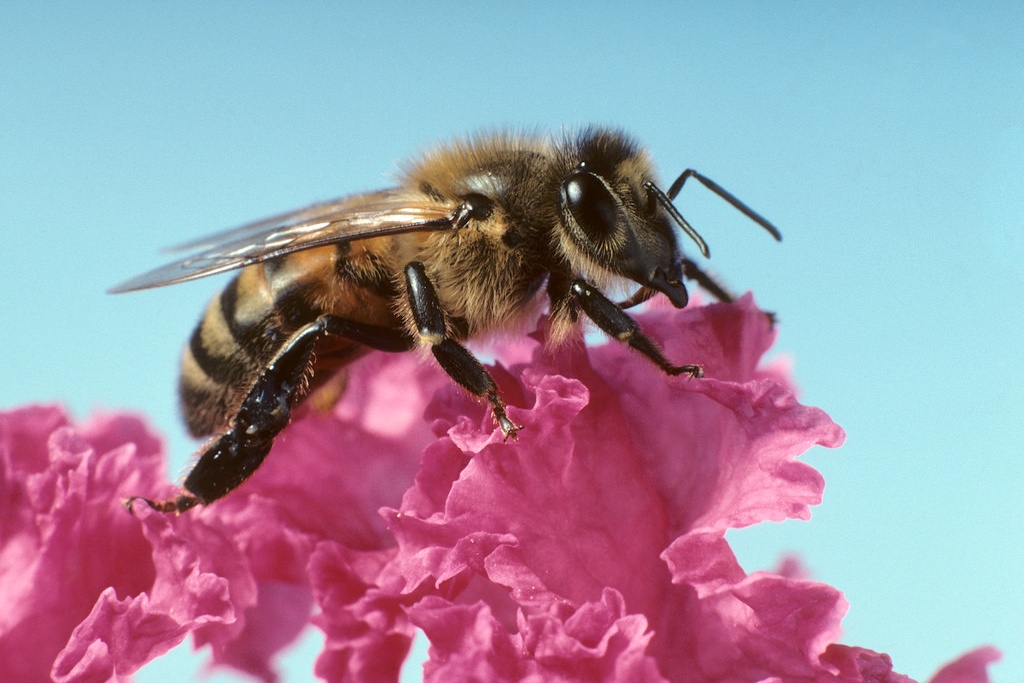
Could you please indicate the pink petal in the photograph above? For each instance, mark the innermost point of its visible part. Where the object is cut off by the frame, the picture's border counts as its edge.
(704, 560)
(616, 465)
(326, 477)
(467, 643)
(591, 549)
(363, 616)
(599, 642)
(859, 665)
(63, 523)
(968, 668)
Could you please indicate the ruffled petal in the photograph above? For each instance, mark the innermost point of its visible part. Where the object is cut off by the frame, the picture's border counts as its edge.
(593, 548)
(970, 667)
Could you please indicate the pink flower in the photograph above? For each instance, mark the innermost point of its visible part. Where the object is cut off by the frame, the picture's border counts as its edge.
(591, 549)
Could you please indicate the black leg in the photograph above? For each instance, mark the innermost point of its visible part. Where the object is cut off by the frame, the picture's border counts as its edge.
(616, 323)
(389, 339)
(714, 287)
(456, 360)
(707, 282)
(232, 457)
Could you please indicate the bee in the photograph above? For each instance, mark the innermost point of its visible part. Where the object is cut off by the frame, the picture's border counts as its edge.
(468, 243)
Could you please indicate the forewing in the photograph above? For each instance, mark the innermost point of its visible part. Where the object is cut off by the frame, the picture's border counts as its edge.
(389, 212)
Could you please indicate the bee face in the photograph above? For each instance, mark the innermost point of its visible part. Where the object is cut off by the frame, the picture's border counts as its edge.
(462, 246)
(612, 217)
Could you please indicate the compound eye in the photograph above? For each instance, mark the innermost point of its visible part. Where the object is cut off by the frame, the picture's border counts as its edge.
(478, 206)
(591, 204)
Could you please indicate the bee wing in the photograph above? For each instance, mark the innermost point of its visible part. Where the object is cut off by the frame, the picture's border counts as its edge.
(389, 212)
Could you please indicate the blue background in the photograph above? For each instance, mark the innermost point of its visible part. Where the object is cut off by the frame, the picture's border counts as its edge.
(886, 142)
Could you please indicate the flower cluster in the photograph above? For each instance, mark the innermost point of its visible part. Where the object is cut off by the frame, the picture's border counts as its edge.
(591, 549)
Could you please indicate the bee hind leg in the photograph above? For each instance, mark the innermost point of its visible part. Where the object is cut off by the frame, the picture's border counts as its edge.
(452, 356)
(230, 458)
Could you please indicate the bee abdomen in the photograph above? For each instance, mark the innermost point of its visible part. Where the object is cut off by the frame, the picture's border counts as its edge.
(239, 333)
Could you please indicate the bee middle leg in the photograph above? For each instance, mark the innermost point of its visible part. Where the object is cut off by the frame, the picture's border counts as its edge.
(230, 458)
(618, 324)
(452, 356)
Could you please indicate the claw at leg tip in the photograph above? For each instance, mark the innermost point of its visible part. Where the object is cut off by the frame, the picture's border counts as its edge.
(509, 429)
(176, 505)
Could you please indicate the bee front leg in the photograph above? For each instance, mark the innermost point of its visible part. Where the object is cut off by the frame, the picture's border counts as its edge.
(229, 459)
(707, 282)
(456, 360)
(715, 288)
(618, 324)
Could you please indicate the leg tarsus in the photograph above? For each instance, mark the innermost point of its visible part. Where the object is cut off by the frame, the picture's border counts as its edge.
(230, 458)
(177, 504)
(472, 376)
(619, 325)
(453, 357)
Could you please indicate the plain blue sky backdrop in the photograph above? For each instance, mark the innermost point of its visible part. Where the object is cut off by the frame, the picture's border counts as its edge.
(885, 140)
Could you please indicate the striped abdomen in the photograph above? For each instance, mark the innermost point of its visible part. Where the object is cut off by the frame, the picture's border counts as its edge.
(245, 325)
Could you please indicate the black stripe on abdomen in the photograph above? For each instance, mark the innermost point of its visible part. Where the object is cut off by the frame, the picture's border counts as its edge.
(219, 369)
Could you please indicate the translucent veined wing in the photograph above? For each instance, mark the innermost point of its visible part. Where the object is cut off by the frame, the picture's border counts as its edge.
(389, 212)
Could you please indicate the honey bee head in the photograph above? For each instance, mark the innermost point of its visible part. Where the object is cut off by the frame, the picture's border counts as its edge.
(614, 217)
